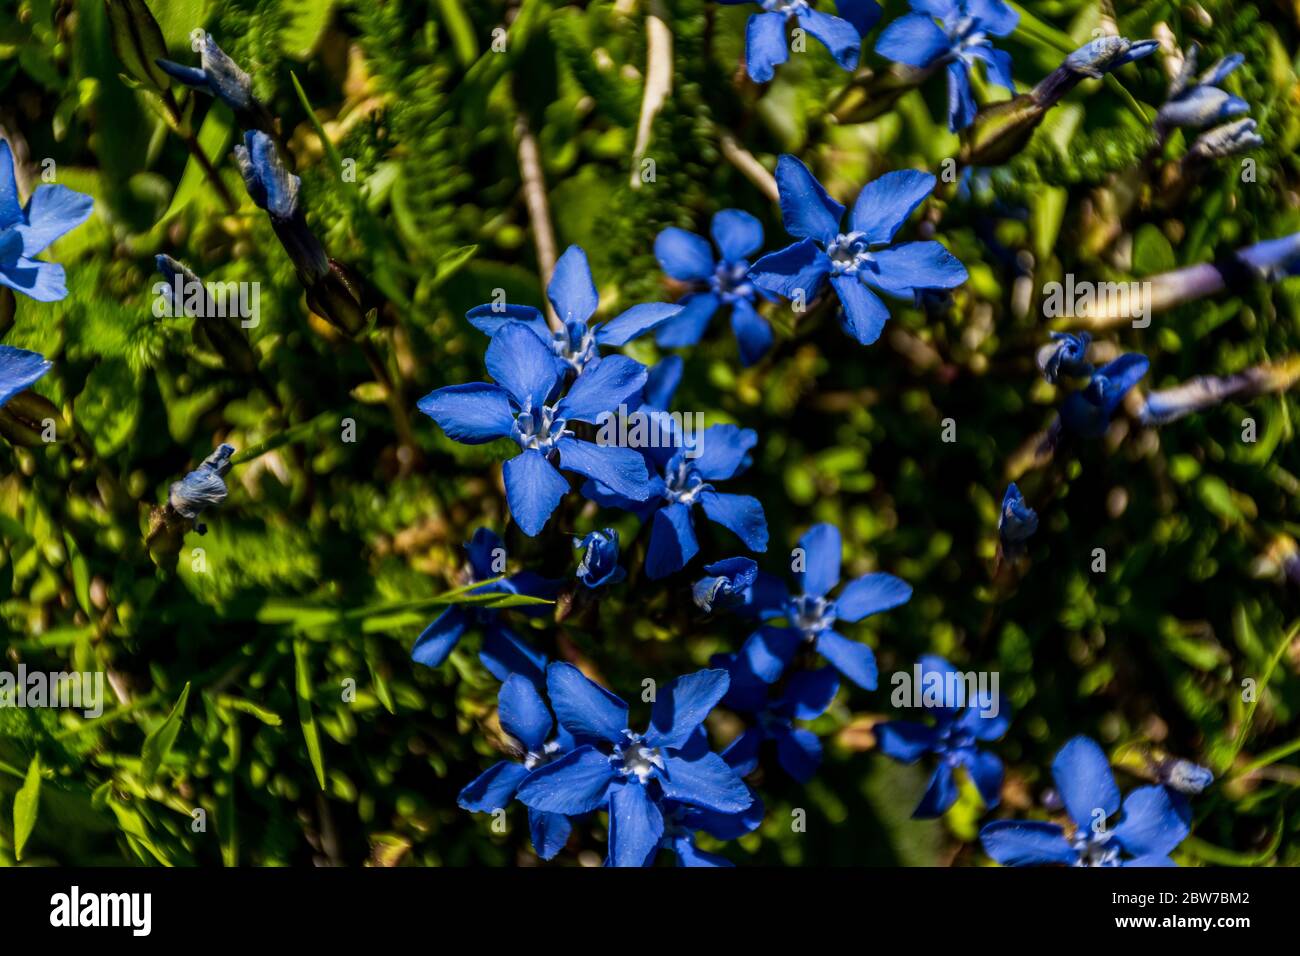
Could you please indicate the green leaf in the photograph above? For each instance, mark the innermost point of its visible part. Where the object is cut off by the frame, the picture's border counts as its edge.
(461, 30)
(160, 740)
(108, 406)
(450, 263)
(80, 573)
(1152, 252)
(214, 139)
(310, 732)
(307, 21)
(138, 41)
(26, 804)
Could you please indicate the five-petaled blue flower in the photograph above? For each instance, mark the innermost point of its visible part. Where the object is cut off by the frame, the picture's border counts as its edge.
(1199, 102)
(959, 726)
(805, 695)
(631, 773)
(1147, 832)
(811, 616)
(599, 564)
(525, 405)
(766, 46)
(503, 652)
(727, 584)
(19, 370)
(523, 715)
(915, 39)
(572, 293)
(859, 258)
(1017, 522)
(1066, 354)
(687, 257)
(682, 483)
(1088, 411)
(51, 211)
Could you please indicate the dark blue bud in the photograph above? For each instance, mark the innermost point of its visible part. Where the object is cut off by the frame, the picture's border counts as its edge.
(599, 564)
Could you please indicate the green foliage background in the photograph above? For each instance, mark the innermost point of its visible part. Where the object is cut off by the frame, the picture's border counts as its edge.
(328, 558)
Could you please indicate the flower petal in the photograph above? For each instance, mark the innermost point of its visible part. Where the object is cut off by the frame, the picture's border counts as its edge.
(621, 470)
(489, 318)
(905, 740)
(662, 381)
(571, 289)
(636, 825)
(939, 796)
(915, 265)
(863, 14)
(961, 98)
(994, 16)
(1083, 777)
(913, 39)
(808, 693)
(985, 771)
(838, 36)
(886, 203)
(577, 783)
(533, 489)
(471, 414)
(684, 255)
(821, 549)
(864, 314)
(584, 707)
(436, 642)
(724, 451)
(41, 281)
(635, 322)
(681, 706)
(522, 365)
(798, 751)
(806, 209)
(753, 332)
(1026, 843)
(687, 327)
(705, 782)
(505, 653)
(853, 659)
(494, 788)
(871, 594)
(797, 271)
(765, 45)
(740, 514)
(1151, 825)
(672, 541)
(603, 385)
(51, 212)
(769, 650)
(19, 369)
(11, 211)
(737, 234)
(550, 832)
(522, 712)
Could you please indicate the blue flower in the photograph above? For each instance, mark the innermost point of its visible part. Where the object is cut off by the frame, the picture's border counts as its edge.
(687, 257)
(634, 774)
(727, 584)
(273, 188)
(766, 46)
(217, 75)
(1088, 412)
(811, 616)
(806, 695)
(523, 715)
(1146, 833)
(524, 405)
(1106, 54)
(1017, 522)
(503, 652)
(1197, 103)
(915, 39)
(959, 726)
(572, 293)
(24, 232)
(599, 564)
(19, 370)
(683, 482)
(1067, 354)
(861, 257)
(683, 820)
(202, 488)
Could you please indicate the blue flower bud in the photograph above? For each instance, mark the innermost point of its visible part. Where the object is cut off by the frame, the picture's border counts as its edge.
(1067, 353)
(1017, 522)
(1197, 103)
(1185, 776)
(202, 488)
(218, 75)
(270, 184)
(1105, 54)
(599, 564)
(1228, 140)
(727, 585)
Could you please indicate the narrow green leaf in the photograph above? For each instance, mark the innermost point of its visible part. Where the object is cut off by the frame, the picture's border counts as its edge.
(80, 573)
(161, 739)
(310, 733)
(26, 804)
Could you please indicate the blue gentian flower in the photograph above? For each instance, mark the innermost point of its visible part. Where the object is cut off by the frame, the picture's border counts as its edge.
(954, 737)
(525, 405)
(1197, 103)
(915, 39)
(682, 483)
(1106, 54)
(687, 257)
(1066, 354)
(859, 258)
(572, 293)
(1088, 411)
(806, 695)
(19, 370)
(202, 488)
(217, 75)
(811, 616)
(631, 773)
(766, 45)
(523, 715)
(599, 564)
(1017, 522)
(24, 232)
(1146, 833)
(273, 188)
(727, 584)
(503, 652)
